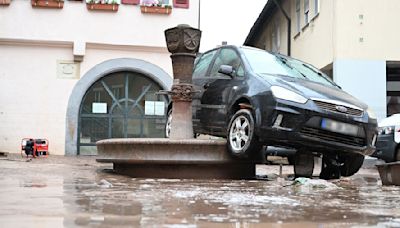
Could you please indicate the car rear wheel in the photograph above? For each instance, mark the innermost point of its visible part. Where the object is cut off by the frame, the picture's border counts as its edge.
(168, 124)
(242, 141)
(351, 164)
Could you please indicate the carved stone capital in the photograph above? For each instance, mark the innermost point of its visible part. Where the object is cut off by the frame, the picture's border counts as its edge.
(182, 92)
(183, 39)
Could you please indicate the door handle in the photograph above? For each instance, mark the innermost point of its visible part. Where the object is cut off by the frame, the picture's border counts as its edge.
(205, 86)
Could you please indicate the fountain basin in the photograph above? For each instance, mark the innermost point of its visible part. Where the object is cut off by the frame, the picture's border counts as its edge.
(173, 158)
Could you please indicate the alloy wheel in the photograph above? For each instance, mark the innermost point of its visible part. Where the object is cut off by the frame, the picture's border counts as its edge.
(168, 125)
(239, 133)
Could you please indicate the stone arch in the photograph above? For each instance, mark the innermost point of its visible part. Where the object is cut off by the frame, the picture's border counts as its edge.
(107, 67)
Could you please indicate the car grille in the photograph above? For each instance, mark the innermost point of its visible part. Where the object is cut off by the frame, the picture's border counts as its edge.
(332, 137)
(332, 107)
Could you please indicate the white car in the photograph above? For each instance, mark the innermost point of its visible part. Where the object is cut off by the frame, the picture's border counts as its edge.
(388, 144)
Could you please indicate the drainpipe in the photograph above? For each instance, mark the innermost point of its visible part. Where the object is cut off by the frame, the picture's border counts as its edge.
(288, 26)
(198, 25)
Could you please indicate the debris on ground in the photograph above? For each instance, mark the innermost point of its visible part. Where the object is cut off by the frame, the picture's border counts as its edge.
(105, 184)
(314, 184)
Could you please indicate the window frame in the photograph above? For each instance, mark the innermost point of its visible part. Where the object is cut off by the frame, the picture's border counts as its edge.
(181, 5)
(316, 7)
(306, 12)
(298, 16)
(240, 64)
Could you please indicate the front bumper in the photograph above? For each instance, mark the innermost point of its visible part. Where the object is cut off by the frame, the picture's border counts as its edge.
(300, 128)
(385, 148)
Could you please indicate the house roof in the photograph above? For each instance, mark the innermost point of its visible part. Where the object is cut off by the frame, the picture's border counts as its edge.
(256, 30)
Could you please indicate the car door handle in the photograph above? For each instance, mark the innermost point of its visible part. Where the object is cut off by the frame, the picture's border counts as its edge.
(205, 86)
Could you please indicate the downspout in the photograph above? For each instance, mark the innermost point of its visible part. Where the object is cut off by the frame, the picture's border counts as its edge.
(289, 27)
(198, 25)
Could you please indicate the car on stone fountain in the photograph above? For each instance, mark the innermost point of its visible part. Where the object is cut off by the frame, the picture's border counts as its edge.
(255, 98)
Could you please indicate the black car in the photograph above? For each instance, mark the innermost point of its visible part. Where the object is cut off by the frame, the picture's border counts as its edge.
(388, 143)
(255, 98)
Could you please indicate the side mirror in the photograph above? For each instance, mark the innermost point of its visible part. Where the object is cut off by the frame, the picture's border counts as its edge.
(226, 69)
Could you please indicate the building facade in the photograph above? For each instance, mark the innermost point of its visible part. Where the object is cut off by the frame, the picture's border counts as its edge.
(75, 75)
(354, 41)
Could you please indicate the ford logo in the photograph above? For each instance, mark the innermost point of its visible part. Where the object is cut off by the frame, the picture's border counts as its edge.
(341, 109)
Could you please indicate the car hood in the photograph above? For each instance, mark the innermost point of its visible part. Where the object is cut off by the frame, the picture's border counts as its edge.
(313, 90)
(393, 120)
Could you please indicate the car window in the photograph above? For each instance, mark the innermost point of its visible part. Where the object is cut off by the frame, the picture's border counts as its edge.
(264, 63)
(227, 56)
(202, 65)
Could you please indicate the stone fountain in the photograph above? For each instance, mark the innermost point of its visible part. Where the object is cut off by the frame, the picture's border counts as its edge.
(180, 156)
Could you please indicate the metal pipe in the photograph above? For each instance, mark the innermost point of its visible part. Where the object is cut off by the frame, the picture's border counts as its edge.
(198, 26)
(289, 23)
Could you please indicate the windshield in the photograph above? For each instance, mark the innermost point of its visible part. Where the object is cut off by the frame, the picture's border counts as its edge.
(264, 63)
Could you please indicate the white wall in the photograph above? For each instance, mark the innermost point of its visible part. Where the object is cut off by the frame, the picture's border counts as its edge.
(365, 80)
(74, 22)
(33, 100)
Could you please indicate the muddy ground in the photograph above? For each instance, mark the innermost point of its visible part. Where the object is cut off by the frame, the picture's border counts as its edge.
(76, 191)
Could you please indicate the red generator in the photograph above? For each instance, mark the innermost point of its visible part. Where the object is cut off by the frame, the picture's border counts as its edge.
(34, 147)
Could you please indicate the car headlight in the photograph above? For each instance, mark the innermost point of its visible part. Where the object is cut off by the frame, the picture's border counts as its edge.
(386, 130)
(285, 94)
(371, 113)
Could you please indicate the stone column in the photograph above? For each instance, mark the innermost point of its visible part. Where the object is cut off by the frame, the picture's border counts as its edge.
(183, 43)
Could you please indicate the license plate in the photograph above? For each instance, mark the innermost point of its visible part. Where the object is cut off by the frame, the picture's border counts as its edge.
(339, 127)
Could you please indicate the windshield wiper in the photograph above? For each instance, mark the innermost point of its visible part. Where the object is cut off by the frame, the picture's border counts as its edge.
(319, 73)
(284, 61)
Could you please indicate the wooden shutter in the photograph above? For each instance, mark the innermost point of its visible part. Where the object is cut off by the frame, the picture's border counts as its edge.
(181, 4)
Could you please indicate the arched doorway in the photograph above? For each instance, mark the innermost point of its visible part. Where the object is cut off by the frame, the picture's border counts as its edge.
(121, 105)
(144, 68)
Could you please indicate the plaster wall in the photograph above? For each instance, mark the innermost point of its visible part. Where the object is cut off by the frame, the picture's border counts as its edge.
(367, 29)
(75, 23)
(33, 100)
(315, 42)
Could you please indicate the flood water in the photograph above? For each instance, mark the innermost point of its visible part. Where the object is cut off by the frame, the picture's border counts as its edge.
(76, 191)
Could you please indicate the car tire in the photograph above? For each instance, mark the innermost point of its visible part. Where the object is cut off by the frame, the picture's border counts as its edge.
(242, 141)
(351, 164)
(303, 164)
(290, 160)
(330, 168)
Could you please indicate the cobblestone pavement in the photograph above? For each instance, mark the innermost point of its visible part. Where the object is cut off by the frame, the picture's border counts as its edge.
(76, 191)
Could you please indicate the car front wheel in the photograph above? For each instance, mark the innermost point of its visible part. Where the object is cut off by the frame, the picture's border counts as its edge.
(351, 164)
(242, 141)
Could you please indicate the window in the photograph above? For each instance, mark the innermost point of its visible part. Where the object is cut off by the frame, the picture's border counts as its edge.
(229, 57)
(181, 4)
(276, 37)
(298, 16)
(316, 7)
(266, 64)
(203, 64)
(306, 11)
(115, 107)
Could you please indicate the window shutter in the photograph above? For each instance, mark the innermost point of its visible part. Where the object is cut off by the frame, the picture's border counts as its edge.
(181, 4)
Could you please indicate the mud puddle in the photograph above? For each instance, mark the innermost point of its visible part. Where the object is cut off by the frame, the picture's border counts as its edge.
(77, 191)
